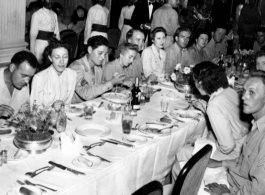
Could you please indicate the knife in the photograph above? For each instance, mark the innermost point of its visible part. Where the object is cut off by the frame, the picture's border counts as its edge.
(122, 143)
(66, 168)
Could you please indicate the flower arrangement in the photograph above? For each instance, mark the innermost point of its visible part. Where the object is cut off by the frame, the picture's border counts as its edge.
(183, 75)
(34, 121)
(244, 52)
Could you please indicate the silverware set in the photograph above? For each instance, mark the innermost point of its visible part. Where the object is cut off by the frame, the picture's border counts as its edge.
(101, 158)
(39, 171)
(26, 182)
(116, 142)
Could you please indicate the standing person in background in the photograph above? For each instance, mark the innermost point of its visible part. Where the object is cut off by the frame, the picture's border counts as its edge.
(167, 17)
(44, 26)
(78, 20)
(248, 22)
(57, 8)
(97, 21)
(143, 15)
(124, 20)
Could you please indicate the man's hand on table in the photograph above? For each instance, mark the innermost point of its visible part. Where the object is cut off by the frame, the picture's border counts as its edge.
(152, 77)
(216, 189)
(200, 105)
(6, 111)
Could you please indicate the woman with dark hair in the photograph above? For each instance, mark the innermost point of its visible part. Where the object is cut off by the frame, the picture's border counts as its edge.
(124, 20)
(56, 83)
(154, 57)
(196, 52)
(223, 108)
(78, 20)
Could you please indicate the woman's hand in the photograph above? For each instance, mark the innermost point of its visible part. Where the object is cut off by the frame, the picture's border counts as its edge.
(216, 189)
(6, 111)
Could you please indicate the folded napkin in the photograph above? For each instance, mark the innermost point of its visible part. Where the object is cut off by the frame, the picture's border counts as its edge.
(201, 142)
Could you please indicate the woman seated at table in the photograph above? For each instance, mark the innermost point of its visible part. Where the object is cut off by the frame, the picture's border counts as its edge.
(223, 108)
(196, 52)
(123, 65)
(154, 57)
(56, 83)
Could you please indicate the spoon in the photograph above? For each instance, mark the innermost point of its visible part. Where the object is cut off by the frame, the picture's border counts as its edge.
(35, 172)
(93, 145)
(135, 128)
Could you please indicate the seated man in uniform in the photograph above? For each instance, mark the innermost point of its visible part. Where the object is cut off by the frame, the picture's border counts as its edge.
(14, 81)
(260, 39)
(89, 82)
(246, 173)
(260, 60)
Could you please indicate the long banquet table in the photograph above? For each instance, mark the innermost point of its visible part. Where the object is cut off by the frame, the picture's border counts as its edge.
(130, 168)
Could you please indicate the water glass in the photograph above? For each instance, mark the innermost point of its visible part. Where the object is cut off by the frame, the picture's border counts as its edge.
(147, 92)
(164, 104)
(88, 111)
(127, 120)
(188, 94)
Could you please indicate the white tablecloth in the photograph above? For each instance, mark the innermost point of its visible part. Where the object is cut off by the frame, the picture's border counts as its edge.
(130, 168)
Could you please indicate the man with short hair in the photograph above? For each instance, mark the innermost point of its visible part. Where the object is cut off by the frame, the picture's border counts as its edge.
(167, 17)
(260, 61)
(89, 81)
(260, 41)
(246, 173)
(14, 80)
(217, 45)
(177, 53)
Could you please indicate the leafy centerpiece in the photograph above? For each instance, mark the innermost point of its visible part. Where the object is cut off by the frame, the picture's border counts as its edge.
(182, 78)
(34, 123)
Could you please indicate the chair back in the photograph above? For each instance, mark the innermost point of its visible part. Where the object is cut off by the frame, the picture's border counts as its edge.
(113, 37)
(71, 39)
(65, 32)
(152, 188)
(190, 177)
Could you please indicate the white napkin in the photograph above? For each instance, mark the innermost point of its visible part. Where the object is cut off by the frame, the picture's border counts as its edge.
(201, 142)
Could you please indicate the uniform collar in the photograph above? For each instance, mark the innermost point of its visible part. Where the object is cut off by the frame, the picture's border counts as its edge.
(259, 124)
(220, 90)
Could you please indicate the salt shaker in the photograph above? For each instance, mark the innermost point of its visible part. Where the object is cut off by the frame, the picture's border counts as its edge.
(4, 157)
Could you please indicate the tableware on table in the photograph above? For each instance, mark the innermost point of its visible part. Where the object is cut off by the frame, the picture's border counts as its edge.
(154, 129)
(93, 145)
(167, 83)
(88, 111)
(7, 132)
(188, 93)
(116, 98)
(118, 143)
(37, 173)
(25, 190)
(135, 128)
(101, 158)
(135, 139)
(114, 107)
(86, 162)
(34, 184)
(95, 130)
(11, 151)
(22, 183)
(178, 104)
(186, 115)
(127, 120)
(66, 168)
(147, 92)
(34, 172)
(164, 102)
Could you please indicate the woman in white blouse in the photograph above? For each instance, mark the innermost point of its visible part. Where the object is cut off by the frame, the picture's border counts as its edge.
(154, 57)
(56, 83)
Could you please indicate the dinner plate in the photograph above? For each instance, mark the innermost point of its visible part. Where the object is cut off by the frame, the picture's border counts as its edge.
(135, 139)
(15, 190)
(153, 128)
(96, 162)
(186, 115)
(7, 132)
(94, 130)
(116, 98)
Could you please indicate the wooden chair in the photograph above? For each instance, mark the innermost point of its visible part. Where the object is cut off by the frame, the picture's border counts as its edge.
(113, 37)
(71, 39)
(190, 177)
(65, 32)
(152, 188)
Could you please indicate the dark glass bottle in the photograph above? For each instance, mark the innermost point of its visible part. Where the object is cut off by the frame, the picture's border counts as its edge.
(136, 95)
(221, 61)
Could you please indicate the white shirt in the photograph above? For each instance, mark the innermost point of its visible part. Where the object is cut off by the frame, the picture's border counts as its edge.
(17, 98)
(224, 114)
(47, 86)
(153, 61)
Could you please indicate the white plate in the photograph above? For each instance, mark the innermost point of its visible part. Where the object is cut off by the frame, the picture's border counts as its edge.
(144, 129)
(185, 115)
(178, 104)
(94, 130)
(134, 139)
(167, 83)
(8, 132)
(15, 190)
(96, 162)
(116, 98)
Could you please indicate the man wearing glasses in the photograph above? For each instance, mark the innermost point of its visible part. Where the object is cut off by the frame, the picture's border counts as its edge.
(260, 39)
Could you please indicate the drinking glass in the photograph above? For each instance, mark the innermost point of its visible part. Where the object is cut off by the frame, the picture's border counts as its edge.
(127, 120)
(188, 94)
(88, 111)
(164, 103)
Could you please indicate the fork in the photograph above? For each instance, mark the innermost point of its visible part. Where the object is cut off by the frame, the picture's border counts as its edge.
(22, 183)
(49, 169)
(33, 184)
